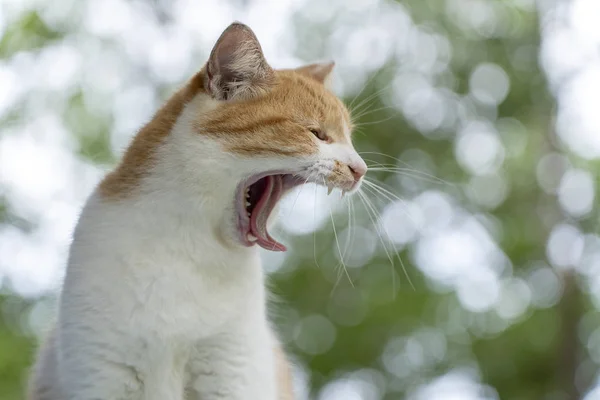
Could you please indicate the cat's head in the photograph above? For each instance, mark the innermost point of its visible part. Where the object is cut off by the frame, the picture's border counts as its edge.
(283, 128)
(246, 134)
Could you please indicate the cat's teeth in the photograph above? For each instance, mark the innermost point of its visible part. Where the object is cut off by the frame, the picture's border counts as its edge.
(251, 238)
(247, 204)
(329, 189)
(248, 193)
(249, 215)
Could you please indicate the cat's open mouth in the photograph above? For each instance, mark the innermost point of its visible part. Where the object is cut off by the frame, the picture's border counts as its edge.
(256, 199)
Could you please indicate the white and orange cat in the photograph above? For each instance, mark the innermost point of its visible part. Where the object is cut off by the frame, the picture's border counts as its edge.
(164, 295)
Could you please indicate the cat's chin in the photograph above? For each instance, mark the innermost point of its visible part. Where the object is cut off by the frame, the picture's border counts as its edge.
(255, 200)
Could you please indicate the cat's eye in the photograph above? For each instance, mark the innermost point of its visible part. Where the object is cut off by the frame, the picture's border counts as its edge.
(319, 134)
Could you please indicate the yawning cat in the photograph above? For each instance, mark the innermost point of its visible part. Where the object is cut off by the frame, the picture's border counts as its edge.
(164, 296)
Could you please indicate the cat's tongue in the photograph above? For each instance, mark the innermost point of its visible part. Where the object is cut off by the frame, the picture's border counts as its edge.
(261, 212)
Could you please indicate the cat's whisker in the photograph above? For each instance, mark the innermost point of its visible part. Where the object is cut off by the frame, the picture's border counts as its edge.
(380, 227)
(388, 195)
(368, 206)
(376, 163)
(368, 112)
(340, 274)
(380, 193)
(315, 229)
(351, 225)
(357, 131)
(413, 173)
(379, 121)
(337, 242)
(363, 106)
(300, 191)
(382, 154)
(347, 245)
(352, 221)
(377, 166)
(409, 174)
(408, 166)
(365, 102)
(372, 214)
(366, 85)
(378, 190)
(278, 227)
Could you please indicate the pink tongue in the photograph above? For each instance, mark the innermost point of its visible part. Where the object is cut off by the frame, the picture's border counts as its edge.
(261, 212)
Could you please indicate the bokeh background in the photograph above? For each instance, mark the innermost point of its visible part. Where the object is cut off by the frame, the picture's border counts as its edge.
(469, 266)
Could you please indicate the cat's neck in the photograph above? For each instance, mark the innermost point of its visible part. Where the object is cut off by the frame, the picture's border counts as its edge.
(176, 207)
(159, 180)
(141, 155)
(165, 222)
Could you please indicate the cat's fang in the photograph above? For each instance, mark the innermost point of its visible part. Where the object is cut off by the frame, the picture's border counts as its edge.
(329, 189)
(251, 238)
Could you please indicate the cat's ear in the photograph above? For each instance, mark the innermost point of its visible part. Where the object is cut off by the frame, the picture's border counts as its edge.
(321, 72)
(236, 68)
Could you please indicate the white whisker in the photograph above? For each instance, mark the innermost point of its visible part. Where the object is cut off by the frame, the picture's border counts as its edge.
(299, 191)
(353, 108)
(337, 242)
(408, 166)
(315, 229)
(378, 190)
(369, 208)
(368, 112)
(379, 230)
(411, 173)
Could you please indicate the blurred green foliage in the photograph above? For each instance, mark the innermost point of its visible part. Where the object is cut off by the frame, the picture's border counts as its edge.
(16, 350)
(27, 34)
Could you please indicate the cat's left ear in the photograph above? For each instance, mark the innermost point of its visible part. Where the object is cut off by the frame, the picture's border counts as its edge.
(236, 68)
(321, 72)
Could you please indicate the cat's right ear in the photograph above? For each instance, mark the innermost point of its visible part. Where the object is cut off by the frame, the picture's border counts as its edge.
(236, 68)
(320, 72)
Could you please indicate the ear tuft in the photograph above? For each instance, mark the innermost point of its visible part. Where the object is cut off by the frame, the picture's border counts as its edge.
(321, 72)
(236, 68)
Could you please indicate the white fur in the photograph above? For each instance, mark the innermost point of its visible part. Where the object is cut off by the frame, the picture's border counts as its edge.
(159, 298)
(153, 301)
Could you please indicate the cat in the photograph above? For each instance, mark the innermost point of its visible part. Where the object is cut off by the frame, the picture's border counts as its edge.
(164, 295)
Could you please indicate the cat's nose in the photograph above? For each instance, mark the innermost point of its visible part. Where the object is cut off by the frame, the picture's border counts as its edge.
(358, 170)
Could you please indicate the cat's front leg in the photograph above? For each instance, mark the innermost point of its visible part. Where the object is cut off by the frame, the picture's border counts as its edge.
(166, 385)
(164, 370)
(235, 366)
(93, 378)
(92, 368)
(97, 379)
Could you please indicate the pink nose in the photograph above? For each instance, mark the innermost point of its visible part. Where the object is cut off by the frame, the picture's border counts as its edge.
(358, 170)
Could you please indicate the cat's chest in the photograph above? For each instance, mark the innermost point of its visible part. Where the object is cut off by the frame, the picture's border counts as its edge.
(170, 275)
(183, 295)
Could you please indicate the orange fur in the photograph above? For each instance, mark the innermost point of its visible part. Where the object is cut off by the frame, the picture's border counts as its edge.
(272, 124)
(284, 375)
(277, 122)
(138, 158)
